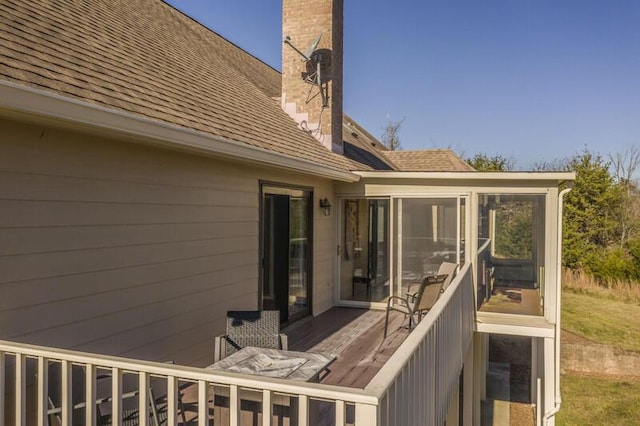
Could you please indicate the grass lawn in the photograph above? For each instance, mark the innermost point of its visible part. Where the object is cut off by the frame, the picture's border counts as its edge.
(597, 401)
(602, 320)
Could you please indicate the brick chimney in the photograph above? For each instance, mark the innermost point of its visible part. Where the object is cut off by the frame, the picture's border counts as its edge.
(303, 21)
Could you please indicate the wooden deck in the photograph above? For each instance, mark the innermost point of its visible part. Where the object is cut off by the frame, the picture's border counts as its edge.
(355, 336)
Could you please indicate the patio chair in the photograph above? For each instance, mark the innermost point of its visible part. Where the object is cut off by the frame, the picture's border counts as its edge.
(446, 268)
(449, 269)
(418, 303)
(250, 328)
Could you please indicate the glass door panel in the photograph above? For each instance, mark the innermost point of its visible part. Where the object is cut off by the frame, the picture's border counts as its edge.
(286, 256)
(428, 234)
(364, 265)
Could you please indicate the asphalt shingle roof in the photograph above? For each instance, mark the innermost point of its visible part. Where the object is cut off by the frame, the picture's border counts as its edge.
(430, 160)
(146, 58)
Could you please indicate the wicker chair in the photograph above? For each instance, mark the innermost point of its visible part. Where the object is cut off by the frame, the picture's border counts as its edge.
(250, 328)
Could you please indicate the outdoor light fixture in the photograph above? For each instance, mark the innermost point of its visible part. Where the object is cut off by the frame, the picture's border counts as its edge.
(325, 205)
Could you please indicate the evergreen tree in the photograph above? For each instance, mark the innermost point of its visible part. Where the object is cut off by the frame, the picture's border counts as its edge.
(590, 211)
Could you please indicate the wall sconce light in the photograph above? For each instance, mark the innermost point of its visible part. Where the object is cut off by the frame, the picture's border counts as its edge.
(325, 205)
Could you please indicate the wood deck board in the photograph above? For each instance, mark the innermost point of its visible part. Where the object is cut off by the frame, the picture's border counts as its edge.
(363, 358)
(356, 365)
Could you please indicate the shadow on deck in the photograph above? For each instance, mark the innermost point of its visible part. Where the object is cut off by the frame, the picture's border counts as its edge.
(513, 300)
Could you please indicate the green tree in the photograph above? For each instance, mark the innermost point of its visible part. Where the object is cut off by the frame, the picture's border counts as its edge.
(590, 212)
(485, 163)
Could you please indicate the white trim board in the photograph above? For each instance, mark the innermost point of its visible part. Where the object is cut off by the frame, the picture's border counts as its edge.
(20, 100)
(515, 325)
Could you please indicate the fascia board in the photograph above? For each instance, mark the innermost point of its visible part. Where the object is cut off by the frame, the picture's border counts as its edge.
(472, 176)
(78, 114)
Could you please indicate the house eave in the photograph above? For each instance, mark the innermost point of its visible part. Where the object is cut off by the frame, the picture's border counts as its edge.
(472, 176)
(19, 100)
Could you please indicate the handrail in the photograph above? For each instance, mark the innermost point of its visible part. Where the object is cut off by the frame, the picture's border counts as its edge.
(484, 246)
(313, 390)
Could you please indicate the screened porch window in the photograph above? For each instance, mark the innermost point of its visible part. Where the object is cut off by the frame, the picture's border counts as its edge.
(511, 250)
(428, 235)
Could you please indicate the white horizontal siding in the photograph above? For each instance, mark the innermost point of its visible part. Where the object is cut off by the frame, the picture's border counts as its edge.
(127, 250)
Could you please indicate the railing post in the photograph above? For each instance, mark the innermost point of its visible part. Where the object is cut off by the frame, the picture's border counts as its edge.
(340, 413)
(267, 408)
(116, 395)
(366, 415)
(90, 394)
(203, 406)
(20, 406)
(234, 406)
(172, 401)
(303, 410)
(143, 399)
(67, 402)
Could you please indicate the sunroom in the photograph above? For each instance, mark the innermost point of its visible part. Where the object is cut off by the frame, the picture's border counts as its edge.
(395, 228)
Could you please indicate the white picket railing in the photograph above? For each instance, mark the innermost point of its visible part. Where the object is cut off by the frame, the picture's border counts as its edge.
(414, 387)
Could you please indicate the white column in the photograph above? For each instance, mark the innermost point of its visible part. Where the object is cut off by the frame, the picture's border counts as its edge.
(480, 372)
(549, 379)
(534, 369)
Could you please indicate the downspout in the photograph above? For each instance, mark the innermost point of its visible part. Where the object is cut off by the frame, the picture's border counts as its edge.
(558, 398)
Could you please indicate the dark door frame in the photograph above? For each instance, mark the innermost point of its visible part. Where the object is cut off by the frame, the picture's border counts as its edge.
(261, 242)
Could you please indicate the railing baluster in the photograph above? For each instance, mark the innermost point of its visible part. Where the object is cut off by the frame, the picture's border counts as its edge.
(267, 408)
(340, 413)
(143, 399)
(67, 402)
(116, 396)
(203, 405)
(172, 401)
(303, 410)
(20, 400)
(43, 388)
(90, 394)
(234, 406)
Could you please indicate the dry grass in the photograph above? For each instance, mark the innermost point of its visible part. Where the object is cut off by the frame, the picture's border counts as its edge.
(581, 282)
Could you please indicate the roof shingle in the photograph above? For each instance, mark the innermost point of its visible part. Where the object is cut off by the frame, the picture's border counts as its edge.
(146, 58)
(429, 160)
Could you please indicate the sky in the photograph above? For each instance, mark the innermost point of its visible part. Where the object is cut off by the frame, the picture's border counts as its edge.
(531, 80)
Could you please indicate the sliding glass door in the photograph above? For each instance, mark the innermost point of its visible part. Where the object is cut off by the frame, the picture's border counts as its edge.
(364, 256)
(388, 243)
(286, 251)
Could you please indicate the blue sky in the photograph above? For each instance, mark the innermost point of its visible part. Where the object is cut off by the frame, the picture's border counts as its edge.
(533, 80)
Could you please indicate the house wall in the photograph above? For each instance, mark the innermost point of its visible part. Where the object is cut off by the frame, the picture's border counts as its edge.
(128, 250)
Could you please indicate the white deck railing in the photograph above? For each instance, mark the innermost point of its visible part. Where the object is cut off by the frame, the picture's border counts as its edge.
(416, 384)
(414, 387)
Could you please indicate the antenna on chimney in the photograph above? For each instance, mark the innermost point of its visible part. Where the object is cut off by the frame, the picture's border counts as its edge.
(311, 56)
